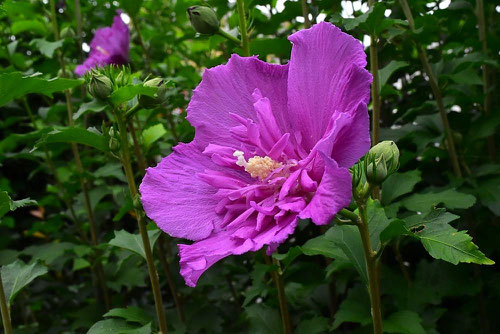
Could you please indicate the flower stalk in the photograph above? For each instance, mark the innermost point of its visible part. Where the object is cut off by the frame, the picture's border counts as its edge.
(245, 44)
(78, 162)
(228, 36)
(305, 14)
(375, 85)
(153, 275)
(7, 325)
(481, 24)
(422, 54)
(277, 276)
(371, 268)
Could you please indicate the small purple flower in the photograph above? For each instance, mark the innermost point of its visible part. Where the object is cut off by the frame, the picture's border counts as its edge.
(110, 45)
(273, 144)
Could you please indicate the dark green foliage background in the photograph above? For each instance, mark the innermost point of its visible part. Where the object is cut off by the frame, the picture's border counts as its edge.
(236, 295)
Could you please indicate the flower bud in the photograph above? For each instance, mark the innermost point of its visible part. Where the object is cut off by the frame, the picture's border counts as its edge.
(203, 19)
(67, 32)
(149, 102)
(114, 143)
(383, 161)
(100, 86)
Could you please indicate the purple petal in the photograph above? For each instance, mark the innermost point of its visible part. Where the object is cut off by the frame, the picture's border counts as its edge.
(333, 194)
(231, 89)
(326, 75)
(178, 201)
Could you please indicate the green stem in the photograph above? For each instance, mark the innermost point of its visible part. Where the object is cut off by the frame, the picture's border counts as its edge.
(243, 28)
(481, 24)
(7, 325)
(305, 14)
(228, 36)
(375, 86)
(153, 275)
(132, 111)
(280, 287)
(78, 161)
(371, 268)
(422, 54)
(350, 215)
(141, 43)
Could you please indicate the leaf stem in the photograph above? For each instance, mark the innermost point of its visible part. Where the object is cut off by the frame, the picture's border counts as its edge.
(305, 14)
(243, 28)
(372, 270)
(350, 215)
(481, 24)
(153, 275)
(7, 325)
(228, 36)
(78, 162)
(280, 286)
(422, 54)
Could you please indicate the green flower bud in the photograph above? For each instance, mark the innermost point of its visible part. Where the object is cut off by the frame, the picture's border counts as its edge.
(67, 32)
(100, 86)
(203, 19)
(149, 102)
(383, 161)
(114, 143)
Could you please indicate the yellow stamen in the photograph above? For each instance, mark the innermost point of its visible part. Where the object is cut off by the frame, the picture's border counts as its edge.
(260, 167)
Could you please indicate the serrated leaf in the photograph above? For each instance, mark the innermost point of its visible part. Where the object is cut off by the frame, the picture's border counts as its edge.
(133, 242)
(50, 252)
(128, 92)
(74, 135)
(399, 184)
(386, 72)
(443, 241)
(94, 105)
(452, 199)
(263, 319)
(130, 314)
(14, 85)
(7, 204)
(395, 228)
(404, 322)
(17, 275)
(45, 47)
(354, 308)
(110, 326)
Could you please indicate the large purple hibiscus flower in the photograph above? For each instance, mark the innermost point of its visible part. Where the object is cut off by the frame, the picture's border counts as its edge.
(273, 144)
(110, 45)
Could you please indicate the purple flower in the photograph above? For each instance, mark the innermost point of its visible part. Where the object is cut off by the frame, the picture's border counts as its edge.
(110, 45)
(273, 144)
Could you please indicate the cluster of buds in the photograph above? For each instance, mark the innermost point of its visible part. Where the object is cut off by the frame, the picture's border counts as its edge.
(100, 85)
(203, 19)
(381, 161)
(159, 98)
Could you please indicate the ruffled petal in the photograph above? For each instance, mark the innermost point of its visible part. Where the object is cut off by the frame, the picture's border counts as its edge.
(195, 259)
(326, 75)
(333, 194)
(176, 199)
(231, 89)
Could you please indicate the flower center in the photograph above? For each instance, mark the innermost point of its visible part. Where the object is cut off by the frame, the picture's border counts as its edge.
(257, 166)
(101, 50)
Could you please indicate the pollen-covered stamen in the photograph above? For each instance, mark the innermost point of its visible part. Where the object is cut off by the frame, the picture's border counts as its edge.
(102, 50)
(260, 167)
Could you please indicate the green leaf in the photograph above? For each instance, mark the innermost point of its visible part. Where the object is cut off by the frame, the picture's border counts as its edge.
(49, 252)
(45, 47)
(287, 258)
(132, 7)
(35, 26)
(8, 256)
(7, 204)
(74, 135)
(395, 228)
(14, 85)
(316, 325)
(348, 239)
(17, 275)
(399, 184)
(452, 199)
(133, 242)
(128, 92)
(94, 106)
(354, 308)
(386, 72)
(263, 319)
(110, 326)
(404, 322)
(443, 241)
(130, 314)
(323, 245)
(153, 133)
